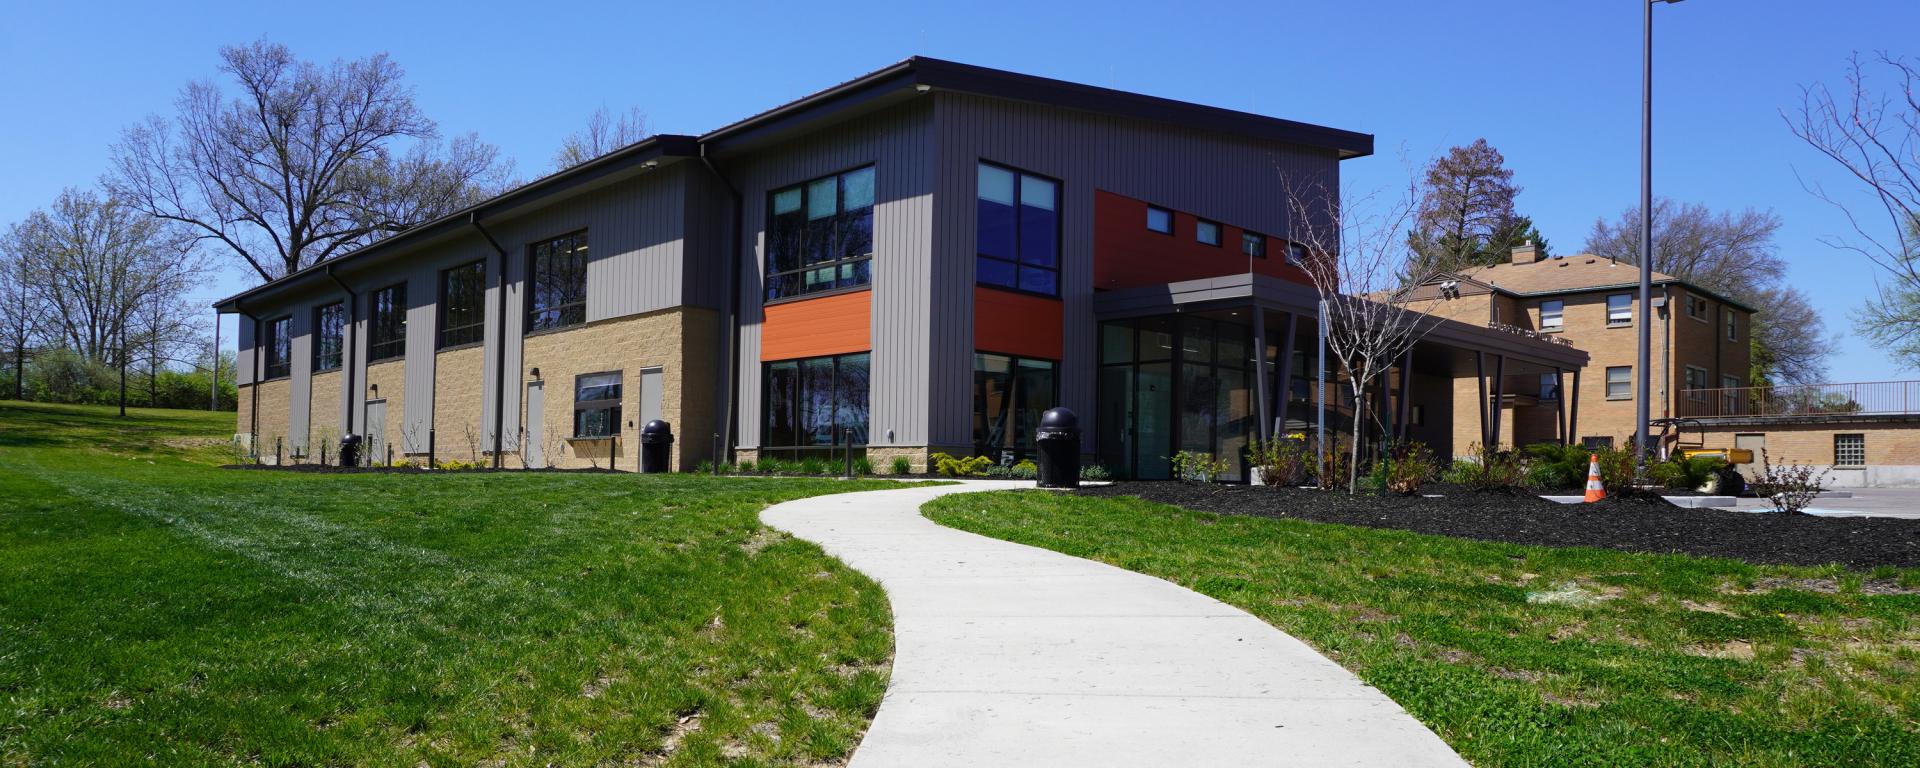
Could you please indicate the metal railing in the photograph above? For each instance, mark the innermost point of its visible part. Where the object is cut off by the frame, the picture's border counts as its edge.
(1866, 398)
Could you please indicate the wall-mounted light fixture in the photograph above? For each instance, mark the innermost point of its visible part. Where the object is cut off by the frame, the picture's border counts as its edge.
(373, 390)
(535, 374)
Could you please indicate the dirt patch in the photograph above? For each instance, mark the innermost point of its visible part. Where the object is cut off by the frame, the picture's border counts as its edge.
(761, 539)
(1731, 649)
(1621, 523)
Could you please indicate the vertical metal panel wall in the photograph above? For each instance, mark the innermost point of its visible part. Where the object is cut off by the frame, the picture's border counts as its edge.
(300, 380)
(897, 143)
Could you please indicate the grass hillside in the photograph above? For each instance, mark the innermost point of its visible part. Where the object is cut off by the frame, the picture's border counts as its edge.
(155, 608)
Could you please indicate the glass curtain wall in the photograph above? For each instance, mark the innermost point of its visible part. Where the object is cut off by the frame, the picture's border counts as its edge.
(1154, 402)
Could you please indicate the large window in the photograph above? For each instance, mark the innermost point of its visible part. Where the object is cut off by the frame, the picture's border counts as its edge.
(1018, 231)
(596, 404)
(814, 402)
(463, 314)
(1620, 382)
(821, 236)
(329, 334)
(1552, 315)
(388, 320)
(1620, 309)
(558, 271)
(279, 347)
(1850, 450)
(1009, 394)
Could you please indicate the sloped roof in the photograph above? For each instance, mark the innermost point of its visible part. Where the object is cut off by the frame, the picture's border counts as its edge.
(1574, 274)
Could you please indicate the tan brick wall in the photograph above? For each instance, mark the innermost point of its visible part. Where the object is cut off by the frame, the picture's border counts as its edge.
(387, 380)
(678, 341)
(459, 433)
(273, 407)
(323, 414)
(1813, 443)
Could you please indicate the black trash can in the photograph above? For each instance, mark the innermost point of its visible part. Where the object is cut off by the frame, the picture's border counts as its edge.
(656, 447)
(1057, 442)
(350, 451)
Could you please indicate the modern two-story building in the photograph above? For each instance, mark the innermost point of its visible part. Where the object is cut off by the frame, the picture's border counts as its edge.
(922, 259)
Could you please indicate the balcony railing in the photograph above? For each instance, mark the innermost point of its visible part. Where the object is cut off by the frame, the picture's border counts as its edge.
(1869, 398)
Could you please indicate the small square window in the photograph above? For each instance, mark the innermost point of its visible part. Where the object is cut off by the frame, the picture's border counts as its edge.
(1207, 233)
(1620, 309)
(1253, 245)
(1696, 307)
(1160, 220)
(1296, 254)
(1551, 313)
(1850, 450)
(1620, 382)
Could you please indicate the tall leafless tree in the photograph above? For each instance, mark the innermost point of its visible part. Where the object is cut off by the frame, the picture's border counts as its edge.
(604, 132)
(1466, 216)
(1358, 260)
(1874, 137)
(306, 162)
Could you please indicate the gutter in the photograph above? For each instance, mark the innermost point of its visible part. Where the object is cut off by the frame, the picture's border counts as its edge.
(730, 418)
(353, 313)
(500, 345)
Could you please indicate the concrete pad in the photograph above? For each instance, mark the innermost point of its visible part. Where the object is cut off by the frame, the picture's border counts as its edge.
(1011, 655)
(1678, 501)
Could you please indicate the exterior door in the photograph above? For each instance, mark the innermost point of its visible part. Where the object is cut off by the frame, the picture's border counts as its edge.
(535, 443)
(1755, 443)
(376, 440)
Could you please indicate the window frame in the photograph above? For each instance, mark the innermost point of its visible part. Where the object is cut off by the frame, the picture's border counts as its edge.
(320, 357)
(380, 347)
(1617, 323)
(529, 326)
(1559, 315)
(615, 420)
(1858, 437)
(1733, 325)
(1171, 225)
(1696, 394)
(1697, 308)
(838, 430)
(445, 335)
(1550, 392)
(768, 276)
(1247, 237)
(1019, 262)
(1200, 226)
(1013, 370)
(1730, 387)
(1297, 253)
(1609, 382)
(277, 363)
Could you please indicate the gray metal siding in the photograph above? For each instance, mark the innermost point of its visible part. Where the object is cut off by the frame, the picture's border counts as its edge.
(417, 396)
(515, 321)
(244, 349)
(897, 143)
(1235, 181)
(300, 381)
(634, 230)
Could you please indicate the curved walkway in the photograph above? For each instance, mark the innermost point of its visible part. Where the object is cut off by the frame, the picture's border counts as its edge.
(1007, 655)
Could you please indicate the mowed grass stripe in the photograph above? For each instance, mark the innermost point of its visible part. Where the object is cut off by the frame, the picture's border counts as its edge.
(185, 614)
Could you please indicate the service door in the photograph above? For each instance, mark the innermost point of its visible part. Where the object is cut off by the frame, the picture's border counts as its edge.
(535, 439)
(1755, 443)
(376, 439)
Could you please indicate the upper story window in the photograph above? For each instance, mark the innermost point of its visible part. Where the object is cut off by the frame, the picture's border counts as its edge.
(557, 283)
(1159, 220)
(1696, 383)
(463, 314)
(596, 404)
(1206, 232)
(1253, 246)
(1733, 324)
(279, 347)
(387, 323)
(1552, 315)
(1620, 382)
(821, 236)
(329, 333)
(1018, 229)
(1696, 307)
(1620, 309)
(1296, 254)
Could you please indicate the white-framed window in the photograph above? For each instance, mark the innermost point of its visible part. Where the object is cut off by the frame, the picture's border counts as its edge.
(1730, 395)
(1620, 309)
(1733, 324)
(1696, 383)
(1850, 450)
(1206, 232)
(1620, 382)
(1551, 315)
(1550, 386)
(1159, 220)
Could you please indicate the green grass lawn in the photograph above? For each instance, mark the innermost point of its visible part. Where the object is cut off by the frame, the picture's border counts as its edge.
(1522, 655)
(154, 608)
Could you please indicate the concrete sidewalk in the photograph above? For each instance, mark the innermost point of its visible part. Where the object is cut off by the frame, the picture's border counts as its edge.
(1010, 655)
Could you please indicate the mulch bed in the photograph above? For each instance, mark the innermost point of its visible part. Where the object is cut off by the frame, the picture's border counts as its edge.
(1628, 524)
(330, 469)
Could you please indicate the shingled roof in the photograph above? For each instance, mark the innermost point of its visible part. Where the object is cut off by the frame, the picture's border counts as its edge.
(1574, 274)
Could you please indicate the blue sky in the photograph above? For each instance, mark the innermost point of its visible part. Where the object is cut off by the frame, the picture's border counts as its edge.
(1554, 84)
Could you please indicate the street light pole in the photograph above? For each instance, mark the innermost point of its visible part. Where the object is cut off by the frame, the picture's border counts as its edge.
(1643, 405)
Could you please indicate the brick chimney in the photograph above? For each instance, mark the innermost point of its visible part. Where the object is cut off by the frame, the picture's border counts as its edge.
(1526, 253)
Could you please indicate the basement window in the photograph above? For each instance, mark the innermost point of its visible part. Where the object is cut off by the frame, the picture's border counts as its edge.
(1850, 450)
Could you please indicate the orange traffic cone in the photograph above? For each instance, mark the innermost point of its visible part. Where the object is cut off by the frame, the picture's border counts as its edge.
(1595, 491)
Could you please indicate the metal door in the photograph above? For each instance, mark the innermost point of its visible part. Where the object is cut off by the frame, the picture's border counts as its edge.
(535, 439)
(376, 439)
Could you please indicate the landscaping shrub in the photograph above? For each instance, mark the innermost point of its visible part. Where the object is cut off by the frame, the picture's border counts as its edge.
(902, 465)
(1282, 461)
(1023, 470)
(1407, 466)
(1667, 474)
(1791, 487)
(703, 468)
(1616, 471)
(1197, 467)
(1094, 472)
(1553, 466)
(813, 465)
(972, 466)
(1488, 470)
(862, 465)
(1331, 472)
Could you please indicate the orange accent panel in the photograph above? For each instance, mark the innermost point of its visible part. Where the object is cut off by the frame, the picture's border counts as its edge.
(1127, 255)
(829, 325)
(1017, 324)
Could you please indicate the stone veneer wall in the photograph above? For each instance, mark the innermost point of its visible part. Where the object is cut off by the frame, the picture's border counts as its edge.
(459, 426)
(678, 341)
(274, 404)
(323, 415)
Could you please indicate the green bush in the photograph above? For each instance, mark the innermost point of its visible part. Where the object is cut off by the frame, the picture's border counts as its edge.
(1488, 470)
(813, 465)
(946, 464)
(902, 465)
(1407, 465)
(703, 468)
(1197, 467)
(1025, 469)
(1552, 466)
(1282, 461)
(862, 465)
(1094, 472)
(1667, 474)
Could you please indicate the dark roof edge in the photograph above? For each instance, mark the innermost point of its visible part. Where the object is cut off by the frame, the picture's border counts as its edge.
(650, 148)
(1691, 286)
